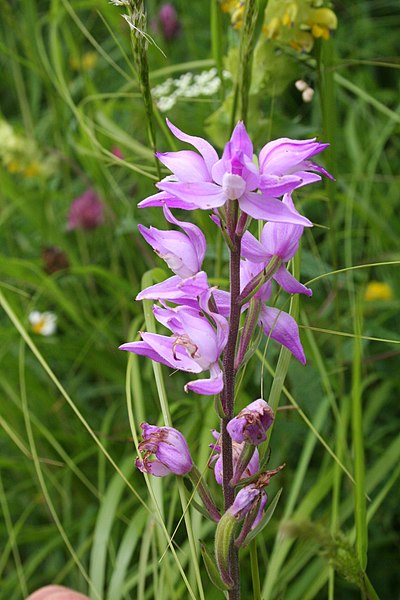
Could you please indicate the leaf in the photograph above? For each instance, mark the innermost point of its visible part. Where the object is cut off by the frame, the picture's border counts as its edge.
(265, 520)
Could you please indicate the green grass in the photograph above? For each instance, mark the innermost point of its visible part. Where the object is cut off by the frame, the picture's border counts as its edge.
(75, 511)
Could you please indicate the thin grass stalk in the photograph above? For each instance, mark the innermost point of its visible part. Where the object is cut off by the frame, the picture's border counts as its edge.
(216, 43)
(360, 509)
(11, 534)
(139, 47)
(45, 366)
(39, 472)
(246, 56)
(136, 403)
(341, 432)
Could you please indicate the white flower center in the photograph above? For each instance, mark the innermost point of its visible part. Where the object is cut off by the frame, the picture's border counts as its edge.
(233, 186)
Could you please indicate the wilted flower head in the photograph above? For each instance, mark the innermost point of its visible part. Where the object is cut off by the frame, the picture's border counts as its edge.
(43, 323)
(246, 500)
(54, 259)
(86, 212)
(56, 592)
(170, 449)
(252, 423)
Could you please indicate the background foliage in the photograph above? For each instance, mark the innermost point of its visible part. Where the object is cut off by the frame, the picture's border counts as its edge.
(74, 509)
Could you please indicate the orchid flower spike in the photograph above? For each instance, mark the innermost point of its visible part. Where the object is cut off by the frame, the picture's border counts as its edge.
(170, 449)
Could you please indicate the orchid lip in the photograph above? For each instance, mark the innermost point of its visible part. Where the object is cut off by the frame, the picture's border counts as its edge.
(233, 185)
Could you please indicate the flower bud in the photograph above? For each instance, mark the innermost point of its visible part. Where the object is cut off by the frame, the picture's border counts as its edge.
(252, 423)
(170, 449)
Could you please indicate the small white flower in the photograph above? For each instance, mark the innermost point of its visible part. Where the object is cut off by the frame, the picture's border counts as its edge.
(165, 103)
(43, 323)
(163, 89)
(308, 94)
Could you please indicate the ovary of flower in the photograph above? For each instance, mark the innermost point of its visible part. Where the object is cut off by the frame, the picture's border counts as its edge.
(43, 323)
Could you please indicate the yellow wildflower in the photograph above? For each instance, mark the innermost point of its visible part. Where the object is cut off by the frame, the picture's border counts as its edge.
(377, 290)
(298, 23)
(84, 63)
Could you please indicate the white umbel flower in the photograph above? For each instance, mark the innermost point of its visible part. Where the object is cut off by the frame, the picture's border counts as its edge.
(43, 323)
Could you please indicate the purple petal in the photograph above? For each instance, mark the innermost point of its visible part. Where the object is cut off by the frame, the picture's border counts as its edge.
(154, 467)
(281, 239)
(290, 283)
(193, 232)
(186, 165)
(260, 514)
(223, 302)
(199, 195)
(201, 332)
(270, 209)
(253, 250)
(219, 319)
(207, 387)
(166, 199)
(282, 155)
(175, 248)
(313, 166)
(274, 185)
(240, 140)
(169, 318)
(206, 150)
(143, 349)
(281, 327)
(177, 356)
(176, 288)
